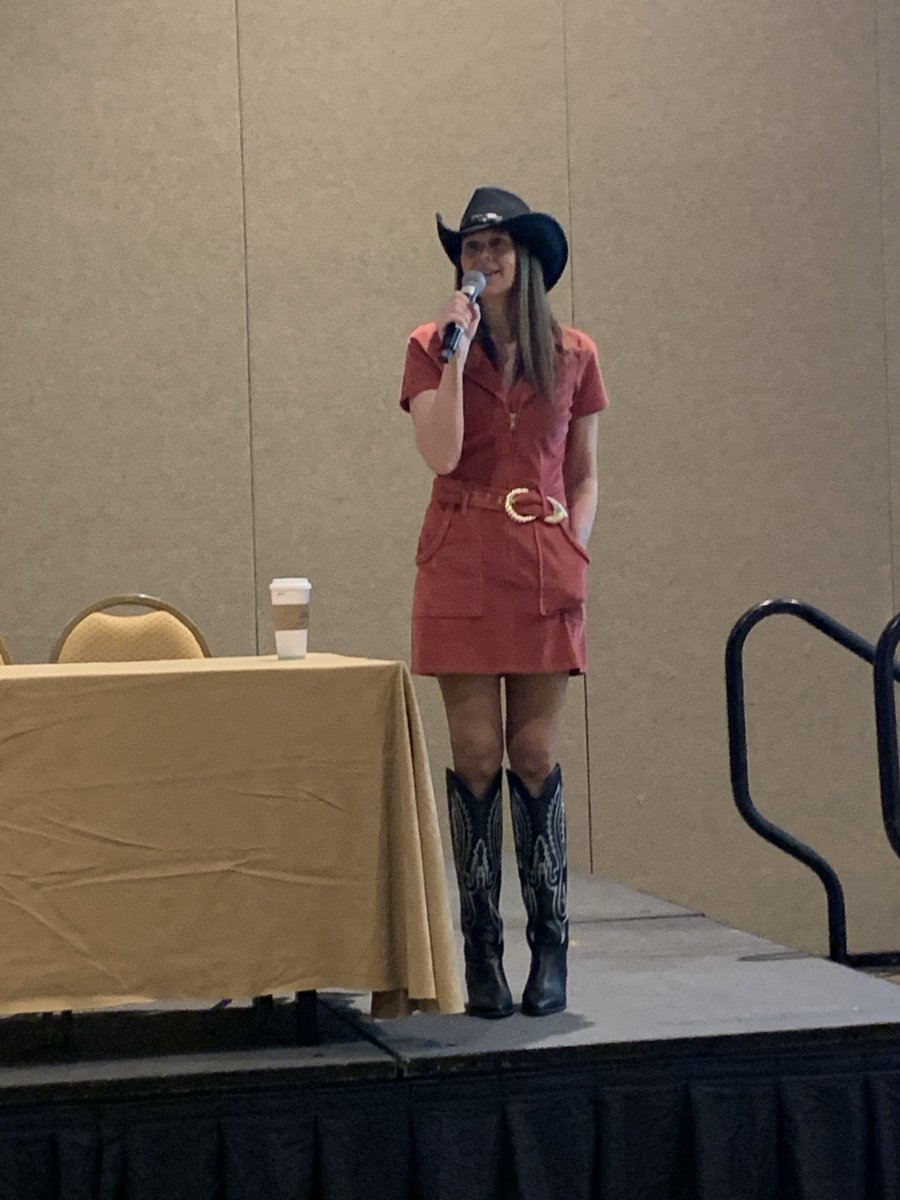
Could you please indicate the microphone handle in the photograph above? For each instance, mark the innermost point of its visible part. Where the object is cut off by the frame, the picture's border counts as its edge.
(450, 344)
(473, 285)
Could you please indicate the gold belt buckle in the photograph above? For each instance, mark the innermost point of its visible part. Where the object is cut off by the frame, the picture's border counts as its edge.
(559, 514)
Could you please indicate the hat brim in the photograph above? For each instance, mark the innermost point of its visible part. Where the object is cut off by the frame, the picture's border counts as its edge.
(539, 232)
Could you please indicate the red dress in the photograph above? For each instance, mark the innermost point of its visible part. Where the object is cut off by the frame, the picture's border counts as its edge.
(496, 596)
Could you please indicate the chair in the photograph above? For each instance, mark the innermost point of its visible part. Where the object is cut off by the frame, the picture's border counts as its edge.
(96, 635)
(5, 656)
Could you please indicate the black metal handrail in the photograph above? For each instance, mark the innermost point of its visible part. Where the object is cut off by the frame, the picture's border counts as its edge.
(889, 768)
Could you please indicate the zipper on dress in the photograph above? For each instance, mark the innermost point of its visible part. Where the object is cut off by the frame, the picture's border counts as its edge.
(514, 404)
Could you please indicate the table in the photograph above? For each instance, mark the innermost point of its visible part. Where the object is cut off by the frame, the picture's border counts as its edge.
(215, 828)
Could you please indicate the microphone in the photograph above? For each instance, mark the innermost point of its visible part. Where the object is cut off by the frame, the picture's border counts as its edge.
(473, 284)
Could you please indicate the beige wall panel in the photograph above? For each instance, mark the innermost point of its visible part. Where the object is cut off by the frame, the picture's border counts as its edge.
(889, 108)
(124, 384)
(725, 182)
(359, 122)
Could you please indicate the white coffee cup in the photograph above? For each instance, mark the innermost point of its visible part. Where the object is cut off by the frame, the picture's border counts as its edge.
(290, 609)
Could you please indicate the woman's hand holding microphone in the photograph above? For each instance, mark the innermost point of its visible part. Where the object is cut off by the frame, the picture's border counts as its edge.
(438, 414)
(459, 319)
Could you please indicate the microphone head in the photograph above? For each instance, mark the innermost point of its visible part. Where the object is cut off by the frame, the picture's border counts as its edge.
(473, 284)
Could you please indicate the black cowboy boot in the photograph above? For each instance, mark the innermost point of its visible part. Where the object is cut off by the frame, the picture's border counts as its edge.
(476, 829)
(539, 825)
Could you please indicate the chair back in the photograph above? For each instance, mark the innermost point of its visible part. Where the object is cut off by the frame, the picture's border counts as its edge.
(97, 635)
(5, 656)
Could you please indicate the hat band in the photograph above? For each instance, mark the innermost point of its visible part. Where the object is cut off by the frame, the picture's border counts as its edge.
(484, 219)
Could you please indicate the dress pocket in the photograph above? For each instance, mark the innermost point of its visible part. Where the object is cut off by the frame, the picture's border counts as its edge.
(564, 568)
(450, 577)
(573, 541)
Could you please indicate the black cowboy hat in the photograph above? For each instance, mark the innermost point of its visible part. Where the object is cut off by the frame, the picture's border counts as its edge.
(539, 232)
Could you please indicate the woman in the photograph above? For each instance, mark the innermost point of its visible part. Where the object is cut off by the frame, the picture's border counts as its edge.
(509, 426)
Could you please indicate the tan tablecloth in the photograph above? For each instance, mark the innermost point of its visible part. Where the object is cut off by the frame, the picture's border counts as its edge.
(217, 827)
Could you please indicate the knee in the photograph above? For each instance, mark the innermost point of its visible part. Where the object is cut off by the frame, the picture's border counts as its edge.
(477, 762)
(532, 761)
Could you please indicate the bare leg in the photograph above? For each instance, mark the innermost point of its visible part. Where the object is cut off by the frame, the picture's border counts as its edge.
(472, 704)
(534, 705)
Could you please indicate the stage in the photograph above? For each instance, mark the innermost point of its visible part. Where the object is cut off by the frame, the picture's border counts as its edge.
(695, 1060)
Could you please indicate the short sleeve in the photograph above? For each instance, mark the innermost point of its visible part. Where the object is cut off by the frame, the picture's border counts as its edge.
(421, 372)
(590, 394)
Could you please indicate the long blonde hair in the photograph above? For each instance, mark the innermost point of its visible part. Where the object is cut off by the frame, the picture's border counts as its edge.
(533, 324)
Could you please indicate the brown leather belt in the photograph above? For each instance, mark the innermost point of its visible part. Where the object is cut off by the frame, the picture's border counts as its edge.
(511, 502)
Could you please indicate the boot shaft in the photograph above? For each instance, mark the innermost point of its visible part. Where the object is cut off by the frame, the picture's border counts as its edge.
(539, 827)
(476, 833)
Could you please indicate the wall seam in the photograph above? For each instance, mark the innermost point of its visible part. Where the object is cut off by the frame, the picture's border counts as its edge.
(252, 460)
(587, 723)
(565, 47)
(884, 306)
